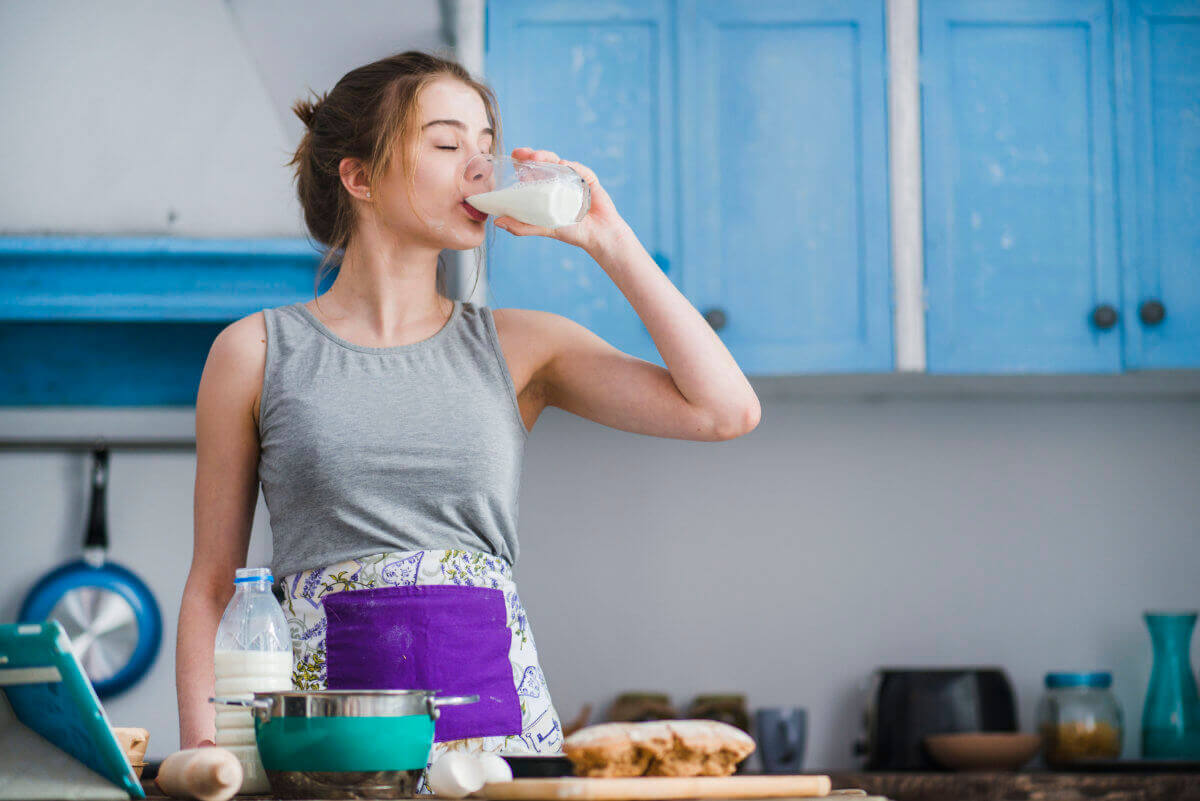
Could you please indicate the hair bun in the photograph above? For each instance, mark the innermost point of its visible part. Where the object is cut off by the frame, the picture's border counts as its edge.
(307, 110)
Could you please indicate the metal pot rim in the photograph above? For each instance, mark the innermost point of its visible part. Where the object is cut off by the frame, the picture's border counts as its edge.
(336, 693)
(267, 704)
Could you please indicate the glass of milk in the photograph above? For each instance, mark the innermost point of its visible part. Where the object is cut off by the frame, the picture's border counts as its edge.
(533, 192)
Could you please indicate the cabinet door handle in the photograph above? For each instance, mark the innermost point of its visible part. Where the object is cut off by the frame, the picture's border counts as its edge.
(1152, 312)
(1104, 316)
(715, 318)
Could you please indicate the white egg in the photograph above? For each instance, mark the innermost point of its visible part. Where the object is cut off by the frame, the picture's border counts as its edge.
(455, 775)
(495, 769)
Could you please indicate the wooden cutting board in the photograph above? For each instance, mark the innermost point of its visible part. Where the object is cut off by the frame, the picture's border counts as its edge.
(653, 788)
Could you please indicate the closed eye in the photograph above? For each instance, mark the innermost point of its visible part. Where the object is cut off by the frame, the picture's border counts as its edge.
(444, 147)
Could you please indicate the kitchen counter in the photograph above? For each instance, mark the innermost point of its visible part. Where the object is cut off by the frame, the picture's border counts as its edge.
(1037, 786)
(1025, 786)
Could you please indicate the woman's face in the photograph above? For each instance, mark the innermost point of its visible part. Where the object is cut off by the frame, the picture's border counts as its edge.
(452, 126)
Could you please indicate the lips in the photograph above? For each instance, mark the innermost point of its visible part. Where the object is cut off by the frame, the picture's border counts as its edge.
(474, 213)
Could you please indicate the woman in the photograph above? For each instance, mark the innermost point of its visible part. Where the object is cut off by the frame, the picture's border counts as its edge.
(387, 422)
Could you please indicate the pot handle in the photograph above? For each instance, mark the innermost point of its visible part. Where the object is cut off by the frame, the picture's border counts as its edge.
(435, 704)
(252, 703)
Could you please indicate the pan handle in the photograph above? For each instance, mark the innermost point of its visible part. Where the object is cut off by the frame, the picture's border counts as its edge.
(436, 704)
(250, 703)
(95, 542)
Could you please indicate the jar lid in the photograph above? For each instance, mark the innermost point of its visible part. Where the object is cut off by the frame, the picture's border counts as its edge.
(1100, 679)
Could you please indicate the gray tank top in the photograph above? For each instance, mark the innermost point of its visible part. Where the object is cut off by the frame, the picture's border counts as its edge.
(367, 450)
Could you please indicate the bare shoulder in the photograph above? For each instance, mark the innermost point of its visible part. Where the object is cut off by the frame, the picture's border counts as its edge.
(242, 345)
(531, 327)
(529, 339)
(235, 364)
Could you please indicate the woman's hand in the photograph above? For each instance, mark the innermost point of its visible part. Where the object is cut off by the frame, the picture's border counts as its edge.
(600, 228)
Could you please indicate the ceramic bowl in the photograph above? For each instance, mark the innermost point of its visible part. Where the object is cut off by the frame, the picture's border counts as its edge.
(984, 751)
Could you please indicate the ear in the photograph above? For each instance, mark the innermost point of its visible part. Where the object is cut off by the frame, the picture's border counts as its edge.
(354, 177)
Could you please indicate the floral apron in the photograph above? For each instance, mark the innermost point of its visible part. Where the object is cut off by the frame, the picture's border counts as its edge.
(449, 620)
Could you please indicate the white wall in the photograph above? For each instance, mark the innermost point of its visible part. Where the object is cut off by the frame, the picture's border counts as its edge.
(844, 533)
(174, 118)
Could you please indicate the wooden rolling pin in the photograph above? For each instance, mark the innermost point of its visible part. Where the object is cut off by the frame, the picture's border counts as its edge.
(210, 773)
(652, 788)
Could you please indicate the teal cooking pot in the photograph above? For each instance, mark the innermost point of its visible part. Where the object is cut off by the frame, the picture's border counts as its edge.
(344, 743)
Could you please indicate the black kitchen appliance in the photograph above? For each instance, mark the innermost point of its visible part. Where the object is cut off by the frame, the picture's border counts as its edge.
(905, 705)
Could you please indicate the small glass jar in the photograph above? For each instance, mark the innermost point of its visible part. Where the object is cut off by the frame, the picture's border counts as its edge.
(1079, 718)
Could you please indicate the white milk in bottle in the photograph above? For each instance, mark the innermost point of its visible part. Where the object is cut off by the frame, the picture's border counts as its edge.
(253, 654)
(549, 204)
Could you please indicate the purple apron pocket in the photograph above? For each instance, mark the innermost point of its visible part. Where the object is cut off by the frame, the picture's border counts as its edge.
(431, 637)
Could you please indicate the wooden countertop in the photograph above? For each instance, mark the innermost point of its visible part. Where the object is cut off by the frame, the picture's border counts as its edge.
(1025, 786)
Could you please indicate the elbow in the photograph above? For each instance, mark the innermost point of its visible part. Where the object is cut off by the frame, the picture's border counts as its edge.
(742, 424)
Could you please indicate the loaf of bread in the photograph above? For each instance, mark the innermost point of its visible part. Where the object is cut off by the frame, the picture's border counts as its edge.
(658, 748)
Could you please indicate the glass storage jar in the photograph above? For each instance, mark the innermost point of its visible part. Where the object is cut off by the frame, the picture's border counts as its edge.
(1079, 718)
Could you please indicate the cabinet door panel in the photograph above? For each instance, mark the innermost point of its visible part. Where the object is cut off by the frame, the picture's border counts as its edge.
(1020, 221)
(591, 83)
(1160, 179)
(783, 146)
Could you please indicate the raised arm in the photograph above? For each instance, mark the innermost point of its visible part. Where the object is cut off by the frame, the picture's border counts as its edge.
(226, 492)
(701, 395)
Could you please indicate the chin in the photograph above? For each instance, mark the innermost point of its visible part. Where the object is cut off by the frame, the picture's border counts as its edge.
(456, 235)
(473, 239)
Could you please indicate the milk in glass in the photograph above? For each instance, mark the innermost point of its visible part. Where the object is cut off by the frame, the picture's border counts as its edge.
(539, 193)
(548, 204)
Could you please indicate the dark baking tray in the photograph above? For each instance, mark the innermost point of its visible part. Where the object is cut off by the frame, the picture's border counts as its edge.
(537, 767)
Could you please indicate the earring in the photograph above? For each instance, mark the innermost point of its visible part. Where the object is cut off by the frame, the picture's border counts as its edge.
(368, 194)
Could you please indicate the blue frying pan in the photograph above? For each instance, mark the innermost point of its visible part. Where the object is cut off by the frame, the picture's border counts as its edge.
(109, 613)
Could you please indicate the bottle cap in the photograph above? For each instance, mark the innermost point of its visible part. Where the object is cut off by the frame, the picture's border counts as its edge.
(246, 574)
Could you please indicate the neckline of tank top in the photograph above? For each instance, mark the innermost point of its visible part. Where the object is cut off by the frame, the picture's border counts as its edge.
(316, 323)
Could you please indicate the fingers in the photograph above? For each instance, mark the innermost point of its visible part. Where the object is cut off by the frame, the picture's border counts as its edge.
(526, 154)
(516, 227)
(586, 172)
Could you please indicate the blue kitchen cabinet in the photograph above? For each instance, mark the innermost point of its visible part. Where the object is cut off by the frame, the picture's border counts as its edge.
(1158, 80)
(1062, 184)
(784, 180)
(67, 363)
(128, 321)
(1021, 263)
(593, 83)
(767, 205)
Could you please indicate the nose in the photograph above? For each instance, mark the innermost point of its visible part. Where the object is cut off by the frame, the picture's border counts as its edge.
(479, 169)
